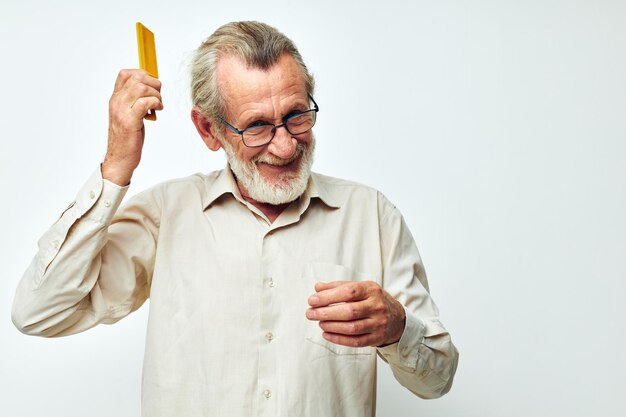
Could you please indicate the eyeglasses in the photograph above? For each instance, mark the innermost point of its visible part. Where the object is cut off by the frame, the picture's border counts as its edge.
(262, 133)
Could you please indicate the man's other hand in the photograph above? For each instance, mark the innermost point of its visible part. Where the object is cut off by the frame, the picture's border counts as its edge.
(356, 313)
(134, 94)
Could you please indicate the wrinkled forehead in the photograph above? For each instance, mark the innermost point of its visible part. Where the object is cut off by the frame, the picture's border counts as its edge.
(239, 82)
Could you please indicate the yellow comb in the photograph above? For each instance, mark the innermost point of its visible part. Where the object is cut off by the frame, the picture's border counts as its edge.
(147, 57)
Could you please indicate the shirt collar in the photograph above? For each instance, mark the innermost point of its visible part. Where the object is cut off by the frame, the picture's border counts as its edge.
(317, 189)
(225, 183)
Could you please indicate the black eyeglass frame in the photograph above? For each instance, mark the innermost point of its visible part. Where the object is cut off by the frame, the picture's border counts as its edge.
(275, 127)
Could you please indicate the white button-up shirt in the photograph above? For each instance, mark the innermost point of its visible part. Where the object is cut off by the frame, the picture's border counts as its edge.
(227, 333)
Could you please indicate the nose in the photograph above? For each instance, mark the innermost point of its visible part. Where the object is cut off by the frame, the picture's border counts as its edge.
(283, 145)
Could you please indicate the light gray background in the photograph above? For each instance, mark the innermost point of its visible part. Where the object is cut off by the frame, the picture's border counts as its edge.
(497, 127)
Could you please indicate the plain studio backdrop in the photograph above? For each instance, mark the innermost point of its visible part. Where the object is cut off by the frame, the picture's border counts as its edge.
(497, 127)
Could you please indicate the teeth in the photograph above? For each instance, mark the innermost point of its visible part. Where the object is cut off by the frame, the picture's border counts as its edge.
(276, 163)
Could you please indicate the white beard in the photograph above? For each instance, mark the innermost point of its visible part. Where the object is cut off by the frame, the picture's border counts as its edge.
(285, 188)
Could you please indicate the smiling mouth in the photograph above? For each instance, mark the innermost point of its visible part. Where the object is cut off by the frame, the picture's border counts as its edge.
(280, 165)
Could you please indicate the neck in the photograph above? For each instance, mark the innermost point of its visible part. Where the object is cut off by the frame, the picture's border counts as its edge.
(271, 211)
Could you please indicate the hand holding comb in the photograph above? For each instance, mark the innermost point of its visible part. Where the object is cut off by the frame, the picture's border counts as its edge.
(147, 57)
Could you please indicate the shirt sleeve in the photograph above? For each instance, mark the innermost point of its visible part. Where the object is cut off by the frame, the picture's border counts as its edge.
(424, 360)
(91, 267)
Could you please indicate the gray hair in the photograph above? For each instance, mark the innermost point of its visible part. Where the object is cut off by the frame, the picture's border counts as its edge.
(257, 44)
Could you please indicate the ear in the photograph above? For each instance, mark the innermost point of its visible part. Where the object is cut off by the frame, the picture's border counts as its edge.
(206, 129)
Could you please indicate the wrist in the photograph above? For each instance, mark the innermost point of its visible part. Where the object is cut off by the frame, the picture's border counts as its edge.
(399, 325)
(114, 175)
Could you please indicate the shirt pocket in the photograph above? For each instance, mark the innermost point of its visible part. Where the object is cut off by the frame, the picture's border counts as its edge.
(327, 272)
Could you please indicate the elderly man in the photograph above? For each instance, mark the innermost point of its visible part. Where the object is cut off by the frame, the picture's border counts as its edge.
(272, 289)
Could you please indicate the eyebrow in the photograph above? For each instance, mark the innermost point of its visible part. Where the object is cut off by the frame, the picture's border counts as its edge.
(255, 115)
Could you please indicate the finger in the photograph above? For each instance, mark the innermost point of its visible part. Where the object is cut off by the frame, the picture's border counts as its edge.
(136, 75)
(143, 104)
(352, 341)
(142, 77)
(121, 79)
(349, 328)
(141, 97)
(133, 75)
(138, 91)
(344, 292)
(321, 286)
(340, 312)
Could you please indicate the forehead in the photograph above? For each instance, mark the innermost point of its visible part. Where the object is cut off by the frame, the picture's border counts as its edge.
(246, 88)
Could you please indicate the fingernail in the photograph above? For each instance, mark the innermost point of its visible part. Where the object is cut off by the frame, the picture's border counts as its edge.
(314, 300)
(310, 314)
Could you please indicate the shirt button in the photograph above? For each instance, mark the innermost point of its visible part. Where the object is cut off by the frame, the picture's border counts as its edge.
(269, 336)
(267, 393)
(424, 374)
(106, 203)
(270, 283)
(92, 194)
(404, 351)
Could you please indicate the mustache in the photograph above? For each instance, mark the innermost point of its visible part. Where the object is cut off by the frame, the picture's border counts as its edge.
(274, 160)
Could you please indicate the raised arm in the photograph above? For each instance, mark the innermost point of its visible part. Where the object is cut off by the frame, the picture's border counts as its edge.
(91, 268)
